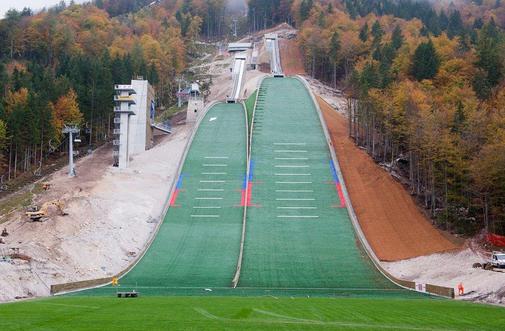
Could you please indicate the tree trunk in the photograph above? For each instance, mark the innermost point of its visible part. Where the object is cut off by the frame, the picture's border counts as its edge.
(334, 78)
(10, 160)
(16, 162)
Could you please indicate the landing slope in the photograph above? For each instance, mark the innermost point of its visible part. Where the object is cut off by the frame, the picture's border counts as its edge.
(299, 234)
(198, 243)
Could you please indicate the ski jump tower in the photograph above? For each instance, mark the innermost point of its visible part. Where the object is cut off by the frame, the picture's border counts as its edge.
(134, 115)
(124, 100)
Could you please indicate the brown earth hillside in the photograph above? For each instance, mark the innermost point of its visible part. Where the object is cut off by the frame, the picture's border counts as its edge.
(393, 225)
(291, 57)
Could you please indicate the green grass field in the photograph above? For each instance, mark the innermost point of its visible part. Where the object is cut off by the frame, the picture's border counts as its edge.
(249, 106)
(233, 313)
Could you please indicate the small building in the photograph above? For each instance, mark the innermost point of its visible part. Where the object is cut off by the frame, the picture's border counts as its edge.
(195, 103)
(239, 47)
(254, 59)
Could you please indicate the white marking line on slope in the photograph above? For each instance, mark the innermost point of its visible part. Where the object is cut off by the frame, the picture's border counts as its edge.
(210, 189)
(292, 166)
(293, 183)
(217, 157)
(293, 174)
(205, 216)
(290, 144)
(294, 199)
(295, 191)
(208, 198)
(290, 151)
(296, 207)
(300, 216)
(209, 207)
(215, 165)
(292, 158)
(212, 181)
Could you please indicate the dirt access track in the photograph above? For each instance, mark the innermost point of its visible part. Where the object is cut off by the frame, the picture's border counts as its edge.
(392, 222)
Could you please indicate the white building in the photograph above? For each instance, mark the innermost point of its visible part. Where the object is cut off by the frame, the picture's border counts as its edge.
(134, 115)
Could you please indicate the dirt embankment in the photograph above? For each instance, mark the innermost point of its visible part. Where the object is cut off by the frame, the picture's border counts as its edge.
(394, 226)
(111, 215)
(291, 57)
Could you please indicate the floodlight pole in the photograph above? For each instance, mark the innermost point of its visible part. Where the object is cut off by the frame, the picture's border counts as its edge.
(71, 130)
(179, 96)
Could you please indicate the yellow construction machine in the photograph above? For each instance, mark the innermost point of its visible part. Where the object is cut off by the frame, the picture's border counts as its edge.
(48, 209)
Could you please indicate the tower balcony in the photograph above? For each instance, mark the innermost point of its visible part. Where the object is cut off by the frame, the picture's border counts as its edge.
(125, 98)
(119, 110)
(124, 88)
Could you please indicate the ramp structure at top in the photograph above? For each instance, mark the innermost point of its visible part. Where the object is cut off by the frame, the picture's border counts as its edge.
(272, 44)
(299, 234)
(198, 244)
(238, 77)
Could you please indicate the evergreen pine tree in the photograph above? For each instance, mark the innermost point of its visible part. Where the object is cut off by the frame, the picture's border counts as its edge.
(455, 26)
(397, 38)
(426, 62)
(363, 33)
(377, 33)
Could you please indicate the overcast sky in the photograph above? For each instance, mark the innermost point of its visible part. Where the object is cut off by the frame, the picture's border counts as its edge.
(5, 5)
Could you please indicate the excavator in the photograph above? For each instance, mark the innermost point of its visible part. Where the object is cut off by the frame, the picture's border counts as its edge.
(48, 209)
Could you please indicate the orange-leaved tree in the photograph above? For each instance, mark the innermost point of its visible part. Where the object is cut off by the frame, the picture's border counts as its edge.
(66, 112)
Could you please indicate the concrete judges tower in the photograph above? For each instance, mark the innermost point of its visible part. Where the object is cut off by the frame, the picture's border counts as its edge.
(134, 114)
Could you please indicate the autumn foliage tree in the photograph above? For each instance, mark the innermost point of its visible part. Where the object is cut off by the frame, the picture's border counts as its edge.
(66, 112)
(426, 98)
(59, 67)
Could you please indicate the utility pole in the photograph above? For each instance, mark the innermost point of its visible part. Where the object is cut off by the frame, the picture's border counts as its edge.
(179, 92)
(235, 27)
(71, 130)
(254, 19)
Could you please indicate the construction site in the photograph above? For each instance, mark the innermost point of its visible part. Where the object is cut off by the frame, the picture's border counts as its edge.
(275, 200)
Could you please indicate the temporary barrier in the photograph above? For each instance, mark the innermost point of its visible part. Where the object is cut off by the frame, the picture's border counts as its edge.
(496, 240)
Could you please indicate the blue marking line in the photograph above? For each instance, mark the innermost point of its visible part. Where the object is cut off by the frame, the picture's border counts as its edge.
(334, 172)
(179, 182)
(251, 170)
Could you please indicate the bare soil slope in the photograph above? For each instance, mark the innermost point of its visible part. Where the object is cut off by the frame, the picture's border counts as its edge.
(291, 57)
(394, 226)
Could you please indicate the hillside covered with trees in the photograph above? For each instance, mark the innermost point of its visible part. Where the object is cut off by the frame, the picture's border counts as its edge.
(425, 81)
(59, 66)
(427, 93)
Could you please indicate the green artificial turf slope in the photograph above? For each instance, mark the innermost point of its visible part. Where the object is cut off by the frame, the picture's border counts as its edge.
(299, 235)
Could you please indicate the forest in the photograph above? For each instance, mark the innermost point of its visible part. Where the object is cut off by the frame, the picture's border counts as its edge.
(426, 93)
(425, 82)
(58, 66)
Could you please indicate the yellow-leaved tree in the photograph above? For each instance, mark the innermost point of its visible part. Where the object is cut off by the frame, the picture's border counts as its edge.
(66, 112)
